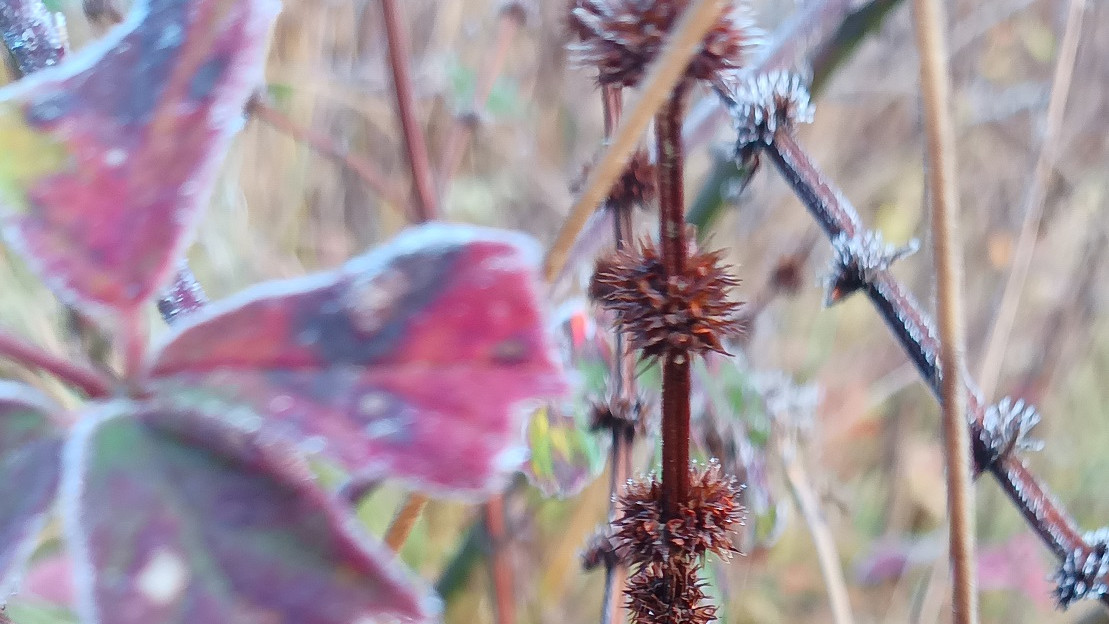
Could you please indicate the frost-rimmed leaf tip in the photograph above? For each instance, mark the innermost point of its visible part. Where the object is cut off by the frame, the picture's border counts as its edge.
(763, 104)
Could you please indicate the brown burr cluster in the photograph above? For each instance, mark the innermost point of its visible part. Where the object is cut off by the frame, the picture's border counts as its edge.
(666, 556)
(622, 37)
(687, 313)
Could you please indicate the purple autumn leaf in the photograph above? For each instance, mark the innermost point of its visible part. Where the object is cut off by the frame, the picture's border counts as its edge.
(179, 517)
(418, 361)
(30, 445)
(109, 157)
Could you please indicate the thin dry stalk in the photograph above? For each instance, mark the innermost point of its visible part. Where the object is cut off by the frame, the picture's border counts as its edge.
(826, 554)
(941, 177)
(661, 79)
(504, 596)
(1034, 203)
(366, 171)
(427, 206)
(405, 520)
(462, 130)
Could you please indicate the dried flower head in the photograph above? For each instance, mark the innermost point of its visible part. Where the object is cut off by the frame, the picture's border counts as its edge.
(858, 259)
(704, 522)
(636, 185)
(617, 414)
(1084, 572)
(599, 551)
(1005, 428)
(668, 592)
(622, 37)
(765, 103)
(667, 315)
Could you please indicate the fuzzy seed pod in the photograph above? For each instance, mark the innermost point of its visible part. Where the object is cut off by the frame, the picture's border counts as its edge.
(681, 314)
(1084, 573)
(636, 185)
(621, 38)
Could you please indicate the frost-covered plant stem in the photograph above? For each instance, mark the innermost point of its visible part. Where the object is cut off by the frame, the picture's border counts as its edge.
(913, 329)
(673, 249)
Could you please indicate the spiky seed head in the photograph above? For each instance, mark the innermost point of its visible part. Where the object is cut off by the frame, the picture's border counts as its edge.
(667, 315)
(619, 415)
(621, 38)
(668, 592)
(1085, 571)
(636, 185)
(1006, 427)
(704, 522)
(857, 261)
(599, 551)
(763, 104)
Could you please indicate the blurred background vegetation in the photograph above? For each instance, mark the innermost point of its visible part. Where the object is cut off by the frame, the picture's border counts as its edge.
(871, 451)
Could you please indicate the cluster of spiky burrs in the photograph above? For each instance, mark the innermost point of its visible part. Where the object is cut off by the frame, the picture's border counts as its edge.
(665, 555)
(662, 314)
(620, 38)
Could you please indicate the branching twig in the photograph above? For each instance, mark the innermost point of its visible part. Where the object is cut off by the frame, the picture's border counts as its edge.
(509, 22)
(427, 206)
(359, 166)
(663, 75)
(95, 384)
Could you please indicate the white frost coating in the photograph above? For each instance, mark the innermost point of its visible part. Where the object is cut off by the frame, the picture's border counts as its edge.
(164, 577)
(763, 103)
(429, 604)
(409, 241)
(241, 81)
(860, 258)
(74, 458)
(1007, 425)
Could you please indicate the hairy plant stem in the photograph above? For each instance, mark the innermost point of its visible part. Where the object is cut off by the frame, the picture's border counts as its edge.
(673, 248)
(31, 34)
(660, 81)
(426, 204)
(913, 330)
(95, 384)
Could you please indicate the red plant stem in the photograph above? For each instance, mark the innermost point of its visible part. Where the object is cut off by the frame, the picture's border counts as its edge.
(914, 330)
(426, 207)
(672, 242)
(95, 384)
(503, 594)
(366, 171)
(462, 131)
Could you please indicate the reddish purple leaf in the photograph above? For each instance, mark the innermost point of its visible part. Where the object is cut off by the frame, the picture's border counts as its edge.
(178, 517)
(110, 156)
(414, 361)
(29, 449)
